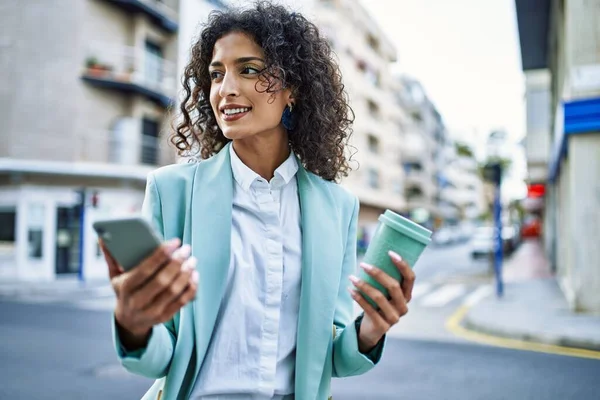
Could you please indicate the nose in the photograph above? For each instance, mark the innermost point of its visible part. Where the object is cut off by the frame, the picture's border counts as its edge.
(229, 86)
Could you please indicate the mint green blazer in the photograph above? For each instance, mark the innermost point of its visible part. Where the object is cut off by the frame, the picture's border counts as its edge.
(194, 202)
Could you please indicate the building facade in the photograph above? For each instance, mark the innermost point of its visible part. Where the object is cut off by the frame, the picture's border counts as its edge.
(365, 55)
(85, 88)
(560, 51)
(422, 151)
(462, 192)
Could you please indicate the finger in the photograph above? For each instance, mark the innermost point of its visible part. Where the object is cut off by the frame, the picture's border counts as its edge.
(396, 296)
(386, 308)
(141, 274)
(368, 309)
(391, 284)
(176, 287)
(145, 297)
(188, 295)
(114, 269)
(182, 253)
(408, 275)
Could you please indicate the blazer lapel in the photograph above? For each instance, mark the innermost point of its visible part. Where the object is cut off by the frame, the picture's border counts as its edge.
(322, 256)
(211, 243)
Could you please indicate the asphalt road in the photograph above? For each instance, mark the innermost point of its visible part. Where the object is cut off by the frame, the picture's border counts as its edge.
(62, 351)
(442, 263)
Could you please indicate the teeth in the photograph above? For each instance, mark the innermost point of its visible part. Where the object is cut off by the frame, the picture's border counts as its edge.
(231, 111)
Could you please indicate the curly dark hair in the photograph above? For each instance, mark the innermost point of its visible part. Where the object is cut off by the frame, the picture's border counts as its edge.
(298, 57)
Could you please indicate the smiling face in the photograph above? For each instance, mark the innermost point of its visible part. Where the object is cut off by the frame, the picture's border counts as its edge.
(240, 109)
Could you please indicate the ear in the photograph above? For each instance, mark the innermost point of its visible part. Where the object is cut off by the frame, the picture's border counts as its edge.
(289, 96)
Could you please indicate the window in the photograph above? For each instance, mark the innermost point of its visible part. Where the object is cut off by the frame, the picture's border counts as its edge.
(8, 219)
(414, 194)
(373, 42)
(373, 144)
(150, 144)
(373, 177)
(153, 70)
(412, 167)
(35, 231)
(373, 108)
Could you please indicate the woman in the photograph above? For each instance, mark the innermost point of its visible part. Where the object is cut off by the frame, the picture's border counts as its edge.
(265, 312)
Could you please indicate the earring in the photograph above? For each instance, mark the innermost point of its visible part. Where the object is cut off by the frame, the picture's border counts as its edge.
(287, 118)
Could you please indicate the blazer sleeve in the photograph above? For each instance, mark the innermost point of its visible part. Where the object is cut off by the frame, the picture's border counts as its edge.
(152, 361)
(347, 359)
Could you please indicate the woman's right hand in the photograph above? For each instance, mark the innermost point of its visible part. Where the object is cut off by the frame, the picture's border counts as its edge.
(152, 292)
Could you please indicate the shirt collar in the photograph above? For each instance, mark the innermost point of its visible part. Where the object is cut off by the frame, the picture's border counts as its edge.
(245, 177)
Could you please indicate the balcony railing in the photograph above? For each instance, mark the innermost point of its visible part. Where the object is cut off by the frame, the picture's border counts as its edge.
(123, 148)
(156, 10)
(131, 70)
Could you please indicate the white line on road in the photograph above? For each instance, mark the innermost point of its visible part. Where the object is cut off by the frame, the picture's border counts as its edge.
(478, 295)
(100, 304)
(444, 295)
(420, 289)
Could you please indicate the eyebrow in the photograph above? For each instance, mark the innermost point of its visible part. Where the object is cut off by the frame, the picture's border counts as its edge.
(240, 60)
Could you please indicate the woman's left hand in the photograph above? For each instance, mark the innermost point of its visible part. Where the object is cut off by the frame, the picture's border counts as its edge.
(376, 323)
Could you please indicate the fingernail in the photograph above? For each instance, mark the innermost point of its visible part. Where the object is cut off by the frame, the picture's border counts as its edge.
(185, 250)
(354, 279)
(394, 255)
(173, 243)
(189, 264)
(366, 267)
(195, 276)
(352, 291)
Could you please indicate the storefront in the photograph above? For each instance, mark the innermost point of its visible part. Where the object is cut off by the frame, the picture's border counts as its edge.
(46, 228)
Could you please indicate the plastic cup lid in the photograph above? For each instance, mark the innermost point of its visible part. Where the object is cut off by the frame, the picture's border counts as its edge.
(405, 225)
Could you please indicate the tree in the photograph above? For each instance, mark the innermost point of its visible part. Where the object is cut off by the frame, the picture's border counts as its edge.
(464, 150)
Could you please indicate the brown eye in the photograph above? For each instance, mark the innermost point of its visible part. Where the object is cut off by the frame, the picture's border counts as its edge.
(214, 75)
(249, 70)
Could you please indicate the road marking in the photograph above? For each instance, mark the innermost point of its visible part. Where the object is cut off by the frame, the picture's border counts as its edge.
(420, 289)
(444, 295)
(100, 304)
(478, 295)
(453, 324)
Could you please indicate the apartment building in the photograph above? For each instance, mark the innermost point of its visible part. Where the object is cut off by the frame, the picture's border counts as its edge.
(85, 89)
(365, 54)
(422, 151)
(462, 192)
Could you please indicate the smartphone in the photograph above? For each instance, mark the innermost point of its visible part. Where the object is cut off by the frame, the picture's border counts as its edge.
(129, 240)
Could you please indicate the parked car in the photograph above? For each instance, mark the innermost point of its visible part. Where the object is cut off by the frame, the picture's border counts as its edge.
(443, 236)
(483, 242)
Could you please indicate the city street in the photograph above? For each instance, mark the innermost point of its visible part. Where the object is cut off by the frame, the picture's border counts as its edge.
(63, 350)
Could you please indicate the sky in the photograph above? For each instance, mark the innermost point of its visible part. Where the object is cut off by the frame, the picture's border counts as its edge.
(466, 54)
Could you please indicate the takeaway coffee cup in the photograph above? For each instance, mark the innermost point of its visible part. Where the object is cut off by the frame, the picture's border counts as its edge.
(400, 235)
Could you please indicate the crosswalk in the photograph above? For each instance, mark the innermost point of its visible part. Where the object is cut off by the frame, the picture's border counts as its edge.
(437, 296)
(424, 295)
(428, 295)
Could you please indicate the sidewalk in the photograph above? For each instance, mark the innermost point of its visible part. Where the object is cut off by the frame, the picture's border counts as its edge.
(533, 307)
(61, 290)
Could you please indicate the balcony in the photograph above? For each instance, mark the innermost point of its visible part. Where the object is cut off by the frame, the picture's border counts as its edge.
(131, 70)
(128, 143)
(124, 152)
(160, 13)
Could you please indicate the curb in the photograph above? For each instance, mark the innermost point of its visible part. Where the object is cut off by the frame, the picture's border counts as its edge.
(541, 338)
